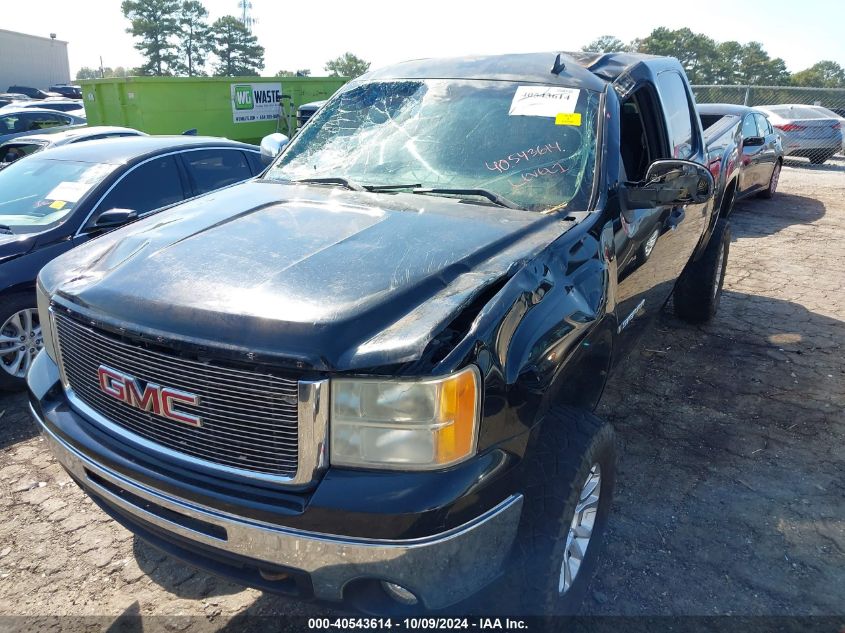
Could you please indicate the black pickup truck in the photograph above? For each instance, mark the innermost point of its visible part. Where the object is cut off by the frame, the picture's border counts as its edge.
(369, 374)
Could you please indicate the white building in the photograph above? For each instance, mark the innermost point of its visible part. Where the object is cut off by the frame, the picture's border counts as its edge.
(29, 60)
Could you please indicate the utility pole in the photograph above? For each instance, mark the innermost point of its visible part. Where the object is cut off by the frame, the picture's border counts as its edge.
(246, 19)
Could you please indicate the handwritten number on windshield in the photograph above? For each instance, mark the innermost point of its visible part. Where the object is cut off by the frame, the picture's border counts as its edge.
(504, 164)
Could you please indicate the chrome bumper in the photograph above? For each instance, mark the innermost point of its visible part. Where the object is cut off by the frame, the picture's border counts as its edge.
(441, 569)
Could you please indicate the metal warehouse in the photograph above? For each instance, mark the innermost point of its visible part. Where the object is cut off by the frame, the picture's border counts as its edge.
(30, 60)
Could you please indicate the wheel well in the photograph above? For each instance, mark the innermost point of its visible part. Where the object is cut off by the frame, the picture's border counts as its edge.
(727, 196)
(21, 288)
(581, 381)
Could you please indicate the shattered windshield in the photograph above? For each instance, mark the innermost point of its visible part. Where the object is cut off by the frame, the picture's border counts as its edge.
(533, 145)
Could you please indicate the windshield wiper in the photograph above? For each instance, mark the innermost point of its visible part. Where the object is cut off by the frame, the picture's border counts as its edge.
(343, 182)
(377, 188)
(495, 198)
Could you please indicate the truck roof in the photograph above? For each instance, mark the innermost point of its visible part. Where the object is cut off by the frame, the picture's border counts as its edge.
(583, 70)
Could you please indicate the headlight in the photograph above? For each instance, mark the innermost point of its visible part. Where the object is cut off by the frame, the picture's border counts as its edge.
(44, 317)
(405, 424)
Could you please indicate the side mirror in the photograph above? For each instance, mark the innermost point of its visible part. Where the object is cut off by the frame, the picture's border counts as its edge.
(271, 145)
(753, 141)
(671, 183)
(114, 217)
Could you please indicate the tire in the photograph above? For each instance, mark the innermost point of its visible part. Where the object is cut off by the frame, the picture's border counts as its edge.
(699, 287)
(769, 192)
(13, 359)
(574, 445)
(819, 158)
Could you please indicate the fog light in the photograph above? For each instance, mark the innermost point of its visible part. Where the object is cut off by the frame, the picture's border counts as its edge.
(398, 593)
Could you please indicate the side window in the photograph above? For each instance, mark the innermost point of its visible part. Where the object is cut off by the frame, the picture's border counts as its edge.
(211, 169)
(679, 112)
(150, 186)
(749, 127)
(255, 163)
(11, 124)
(763, 125)
(44, 120)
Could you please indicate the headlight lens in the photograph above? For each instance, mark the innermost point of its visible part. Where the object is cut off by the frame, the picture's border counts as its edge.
(405, 424)
(44, 316)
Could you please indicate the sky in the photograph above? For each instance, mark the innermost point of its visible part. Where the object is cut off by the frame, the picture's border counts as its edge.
(385, 32)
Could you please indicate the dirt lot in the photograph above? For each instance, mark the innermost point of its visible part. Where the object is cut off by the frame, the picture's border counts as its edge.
(730, 496)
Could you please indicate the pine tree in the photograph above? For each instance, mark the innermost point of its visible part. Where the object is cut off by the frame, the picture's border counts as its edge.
(237, 50)
(195, 40)
(155, 23)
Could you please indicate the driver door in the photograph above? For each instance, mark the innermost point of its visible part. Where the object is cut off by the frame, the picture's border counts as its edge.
(653, 245)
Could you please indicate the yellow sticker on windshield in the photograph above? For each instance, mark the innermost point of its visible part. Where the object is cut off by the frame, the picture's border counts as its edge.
(564, 118)
(58, 204)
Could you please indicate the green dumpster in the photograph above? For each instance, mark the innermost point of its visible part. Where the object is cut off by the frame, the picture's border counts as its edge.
(238, 108)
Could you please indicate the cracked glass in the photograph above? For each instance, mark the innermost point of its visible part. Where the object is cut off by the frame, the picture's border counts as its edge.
(449, 134)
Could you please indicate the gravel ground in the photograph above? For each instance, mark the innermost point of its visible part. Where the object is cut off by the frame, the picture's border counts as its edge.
(729, 497)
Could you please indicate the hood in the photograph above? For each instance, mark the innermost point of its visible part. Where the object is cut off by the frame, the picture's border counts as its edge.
(330, 278)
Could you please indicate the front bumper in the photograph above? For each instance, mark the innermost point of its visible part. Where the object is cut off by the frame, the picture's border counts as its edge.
(440, 569)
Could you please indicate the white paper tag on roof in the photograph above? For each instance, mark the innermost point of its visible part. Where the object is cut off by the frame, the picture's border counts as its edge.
(544, 101)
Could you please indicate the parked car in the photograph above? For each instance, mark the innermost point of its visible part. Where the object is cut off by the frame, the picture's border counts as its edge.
(66, 90)
(26, 145)
(806, 131)
(71, 106)
(837, 113)
(55, 200)
(11, 97)
(742, 142)
(369, 374)
(306, 111)
(16, 122)
(33, 93)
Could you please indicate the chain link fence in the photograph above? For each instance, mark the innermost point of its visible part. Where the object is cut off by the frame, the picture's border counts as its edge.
(810, 121)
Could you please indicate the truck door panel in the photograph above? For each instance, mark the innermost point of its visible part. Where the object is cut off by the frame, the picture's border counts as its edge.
(751, 156)
(653, 245)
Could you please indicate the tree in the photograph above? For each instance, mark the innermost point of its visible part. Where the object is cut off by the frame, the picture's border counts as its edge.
(238, 51)
(696, 52)
(87, 73)
(155, 23)
(194, 37)
(96, 73)
(303, 72)
(757, 68)
(347, 65)
(728, 60)
(605, 44)
(824, 74)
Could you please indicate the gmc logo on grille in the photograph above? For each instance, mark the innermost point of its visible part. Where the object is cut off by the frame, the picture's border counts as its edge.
(155, 398)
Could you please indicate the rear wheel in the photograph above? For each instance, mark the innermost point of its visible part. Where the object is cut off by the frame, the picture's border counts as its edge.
(699, 287)
(769, 191)
(821, 157)
(20, 339)
(568, 490)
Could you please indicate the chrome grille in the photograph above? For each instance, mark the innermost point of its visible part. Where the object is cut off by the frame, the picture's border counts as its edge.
(249, 419)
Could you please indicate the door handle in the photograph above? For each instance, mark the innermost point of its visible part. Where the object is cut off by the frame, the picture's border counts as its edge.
(675, 218)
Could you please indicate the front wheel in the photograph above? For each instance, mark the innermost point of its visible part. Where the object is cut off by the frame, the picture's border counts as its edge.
(20, 339)
(568, 491)
(769, 191)
(699, 288)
